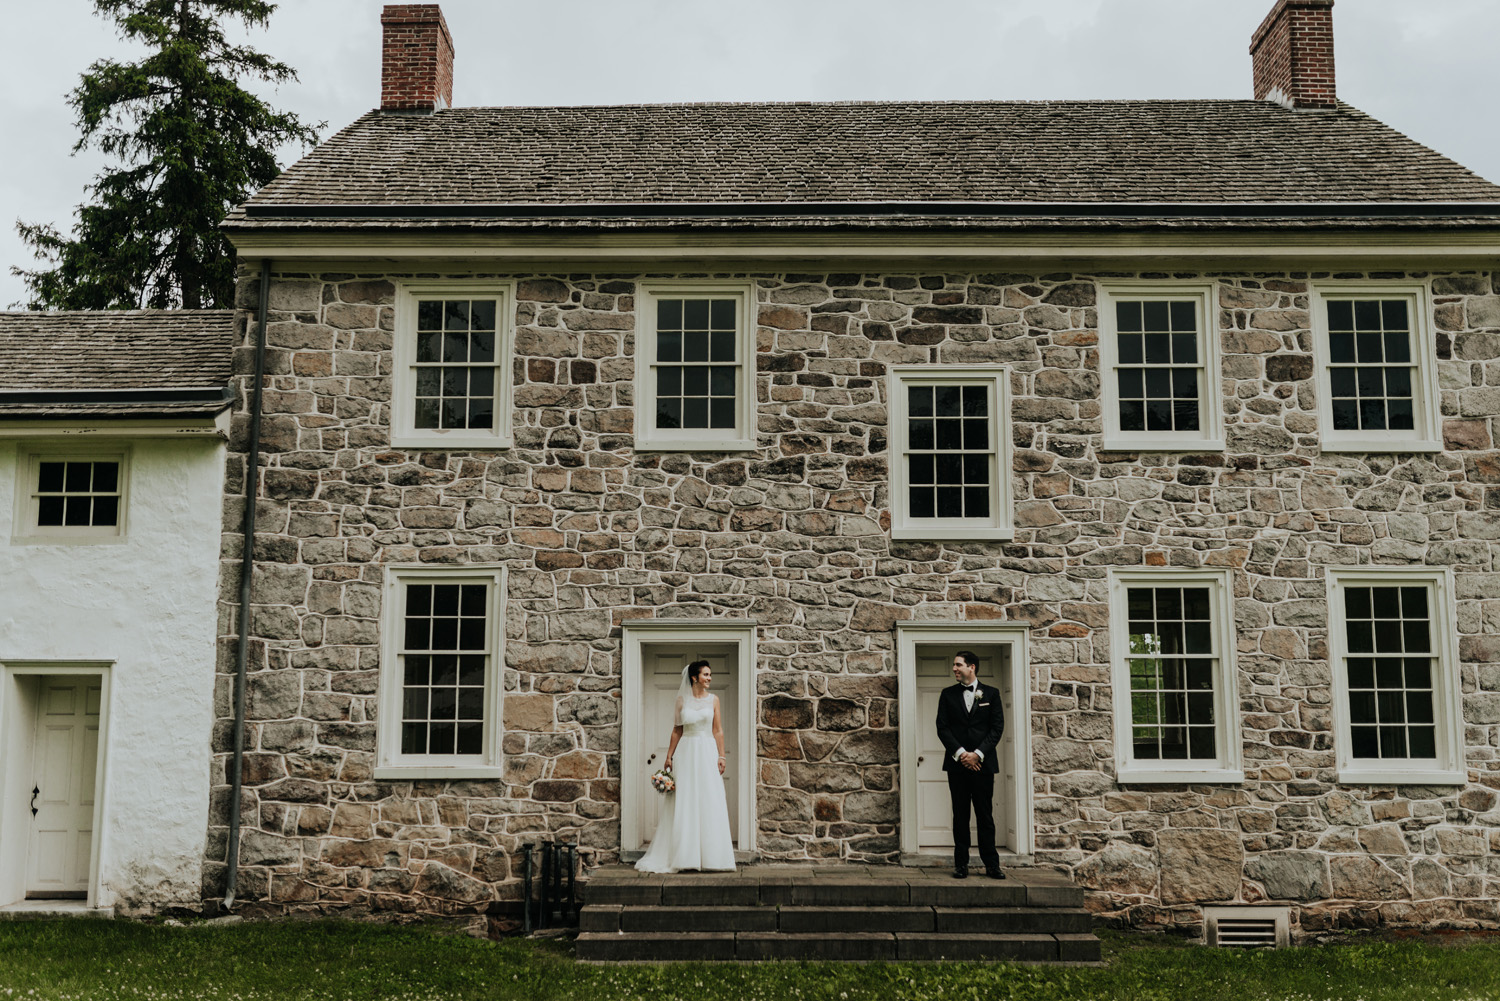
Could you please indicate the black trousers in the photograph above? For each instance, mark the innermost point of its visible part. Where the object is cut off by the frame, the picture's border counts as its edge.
(976, 789)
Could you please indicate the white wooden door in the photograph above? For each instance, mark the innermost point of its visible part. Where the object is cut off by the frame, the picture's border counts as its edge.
(65, 757)
(663, 675)
(934, 806)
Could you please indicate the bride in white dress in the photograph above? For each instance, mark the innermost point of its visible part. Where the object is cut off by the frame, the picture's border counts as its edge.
(692, 829)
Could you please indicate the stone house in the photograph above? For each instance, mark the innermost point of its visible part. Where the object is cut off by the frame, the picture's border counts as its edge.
(113, 430)
(1181, 414)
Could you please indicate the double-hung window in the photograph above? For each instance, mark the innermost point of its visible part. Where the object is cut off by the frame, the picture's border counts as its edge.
(441, 665)
(695, 365)
(1395, 680)
(1161, 366)
(1377, 389)
(453, 371)
(1174, 677)
(950, 452)
(71, 496)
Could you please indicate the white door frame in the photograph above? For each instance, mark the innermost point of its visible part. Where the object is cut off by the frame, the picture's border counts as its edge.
(636, 634)
(16, 752)
(908, 636)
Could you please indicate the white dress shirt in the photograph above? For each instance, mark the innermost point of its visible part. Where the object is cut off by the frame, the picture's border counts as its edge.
(971, 692)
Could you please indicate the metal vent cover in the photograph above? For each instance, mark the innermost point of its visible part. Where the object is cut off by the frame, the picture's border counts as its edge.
(1249, 926)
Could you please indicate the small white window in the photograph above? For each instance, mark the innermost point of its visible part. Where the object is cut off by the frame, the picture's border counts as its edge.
(440, 697)
(1377, 380)
(1395, 678)
(1176, 701)
(695, 366)
(71, 496)
(950, 452)
(1159, 349)
(452, 386)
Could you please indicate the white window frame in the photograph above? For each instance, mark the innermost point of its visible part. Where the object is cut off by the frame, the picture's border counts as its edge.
(404, 432)
(1447, 709)
(390, 763)
(1210, 435)
(1427, 435)
(648, 438)
(29, 458)
(1001, 523)
(1229, 766)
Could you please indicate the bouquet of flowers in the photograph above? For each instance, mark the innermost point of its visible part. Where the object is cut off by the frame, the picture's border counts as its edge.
(663, 782)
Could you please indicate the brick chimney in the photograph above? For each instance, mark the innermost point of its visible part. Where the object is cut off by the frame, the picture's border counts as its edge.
(416, 72)
(1293, 54)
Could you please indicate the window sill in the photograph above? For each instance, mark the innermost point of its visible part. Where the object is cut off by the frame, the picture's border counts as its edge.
(81, 539)
(1402, 776)
(1123, 444)
(690, 445)
(916, 533)
(454, 772)
(1380, 445)
(488, 443)
(1152, 776)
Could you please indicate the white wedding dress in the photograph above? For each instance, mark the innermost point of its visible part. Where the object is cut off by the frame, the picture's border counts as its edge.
(692, 828)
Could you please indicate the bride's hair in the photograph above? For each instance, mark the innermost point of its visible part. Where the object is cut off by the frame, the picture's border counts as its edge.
(696, 668)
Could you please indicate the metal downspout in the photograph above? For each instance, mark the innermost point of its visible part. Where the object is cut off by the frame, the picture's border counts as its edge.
(247, 568)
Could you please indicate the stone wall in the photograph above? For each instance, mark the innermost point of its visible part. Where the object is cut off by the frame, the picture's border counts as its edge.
(795, 535)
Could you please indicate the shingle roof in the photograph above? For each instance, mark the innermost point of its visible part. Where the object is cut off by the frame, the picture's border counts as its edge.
(115, 363)
(1215, 154)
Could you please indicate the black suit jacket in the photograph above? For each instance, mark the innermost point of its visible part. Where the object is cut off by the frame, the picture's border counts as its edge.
(980, 730)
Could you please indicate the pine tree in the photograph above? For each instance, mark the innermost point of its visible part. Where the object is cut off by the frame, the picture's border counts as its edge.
(191, 144)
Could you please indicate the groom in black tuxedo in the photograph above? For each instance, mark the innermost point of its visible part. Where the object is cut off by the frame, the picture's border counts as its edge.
(970, 723)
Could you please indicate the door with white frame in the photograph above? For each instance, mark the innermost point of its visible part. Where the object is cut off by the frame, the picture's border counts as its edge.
(655, 654)
(50, 737)
(925, 667)
(664, 664)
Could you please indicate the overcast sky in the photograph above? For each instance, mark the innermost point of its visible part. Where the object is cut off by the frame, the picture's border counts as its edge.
(1426, 67)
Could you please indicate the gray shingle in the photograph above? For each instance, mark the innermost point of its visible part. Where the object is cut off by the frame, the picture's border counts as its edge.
(1067, 152)
(65, 362)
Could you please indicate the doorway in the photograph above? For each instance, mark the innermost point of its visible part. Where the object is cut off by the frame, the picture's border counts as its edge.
(48, 825)
(655, 653)
(925, 658)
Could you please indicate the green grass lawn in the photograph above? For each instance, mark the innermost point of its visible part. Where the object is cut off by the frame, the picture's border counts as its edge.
(290, 961)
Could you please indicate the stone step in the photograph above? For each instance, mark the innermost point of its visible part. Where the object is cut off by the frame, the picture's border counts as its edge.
(856, 946)
(895, 890)
(796, 919)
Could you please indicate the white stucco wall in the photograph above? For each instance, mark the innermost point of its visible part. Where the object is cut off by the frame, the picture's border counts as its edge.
(146, 606)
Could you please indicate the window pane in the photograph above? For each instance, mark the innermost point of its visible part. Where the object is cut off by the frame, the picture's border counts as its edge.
(1128, 316)
(923, 502)
(50, 477)
(1132, 415)
(1156, 316)
(919, 401)
(668, 347)
(77, 477)
(430, 314)
(669, 413)
(456, 314)
(1341, 348)
(722, 346)
(721, 413)
(669, 314)
(922, 434)
(107, 511)
(1184, 316)
(721, 381)
(723, 314)
(455, 347)
(695, 412)
(49, 511)
(76, 511)
(1132, 349)
(950, 502)
(482, 314)
(482, 347)
(695, 314)
(694, 345)
(106, 477)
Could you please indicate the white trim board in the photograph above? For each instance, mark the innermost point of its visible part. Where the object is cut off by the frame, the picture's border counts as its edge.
(635, 634)
(908, 635)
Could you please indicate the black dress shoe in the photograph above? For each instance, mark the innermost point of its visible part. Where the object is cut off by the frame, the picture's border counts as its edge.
(960, 872)
(993, 872)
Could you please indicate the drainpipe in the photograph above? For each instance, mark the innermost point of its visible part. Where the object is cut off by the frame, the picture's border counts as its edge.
(247, 567)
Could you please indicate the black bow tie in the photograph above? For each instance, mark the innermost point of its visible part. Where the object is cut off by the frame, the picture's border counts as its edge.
(971, 688)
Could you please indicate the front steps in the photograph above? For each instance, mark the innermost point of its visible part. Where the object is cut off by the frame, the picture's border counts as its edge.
(833, 912)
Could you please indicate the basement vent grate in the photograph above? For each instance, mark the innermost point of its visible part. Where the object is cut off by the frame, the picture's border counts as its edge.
(1247, 927)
